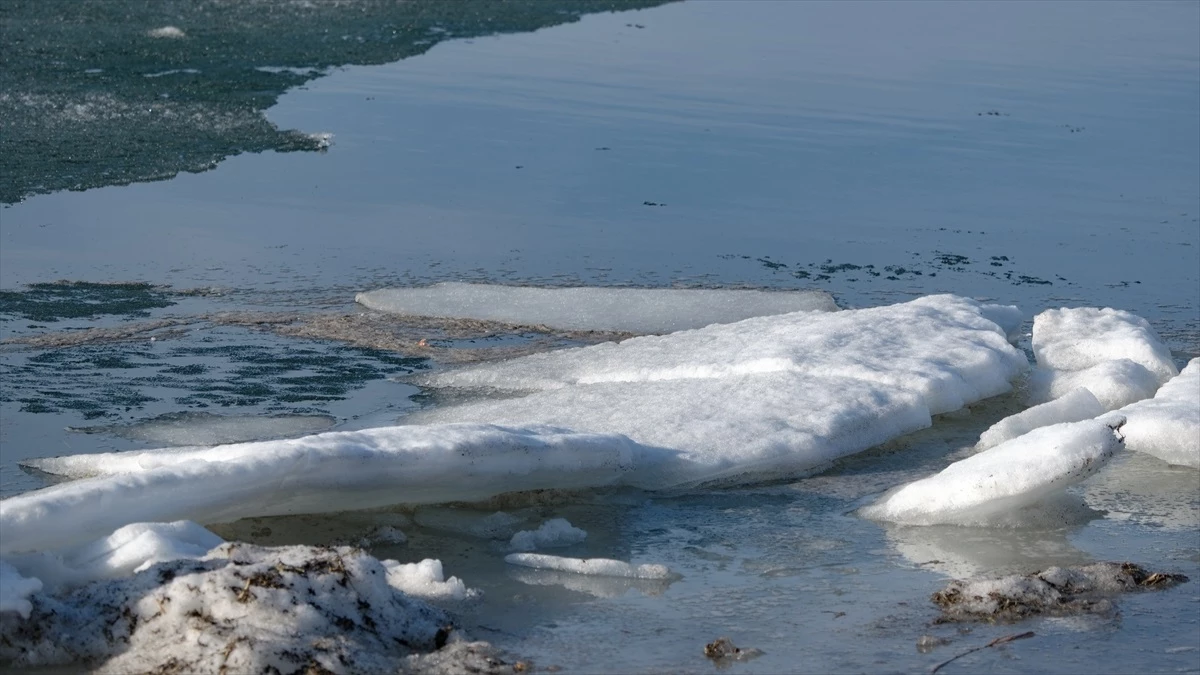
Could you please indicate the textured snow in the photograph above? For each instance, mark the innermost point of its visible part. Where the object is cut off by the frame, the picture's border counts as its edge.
(553, 533)
(1078, 405)
(1168, 425)
(1100, 349)
(15, 590)
(425, 579)
(240, 609)
(634, 310)
(998, 481)
(589, 566)
(328, 472)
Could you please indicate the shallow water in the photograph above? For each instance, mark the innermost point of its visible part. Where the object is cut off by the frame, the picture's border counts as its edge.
(1040, 155)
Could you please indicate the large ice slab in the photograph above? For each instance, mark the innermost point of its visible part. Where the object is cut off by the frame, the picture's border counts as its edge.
(1078, 405)
(1168, 425)
(939, 347)
(996, 482)
(335, 471)
(1103, 350)
(635, 310)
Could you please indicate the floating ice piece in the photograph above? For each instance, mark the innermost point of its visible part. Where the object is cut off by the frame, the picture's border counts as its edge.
(595, 586)
(15, 590)
(1076, 406)
(939, 347)
(1168, 425)
(241, 609)
(1113, 354)
(169, 32)
(590, 566)
(1115, 384)
(1056, 590)
(426, 580)
(1023, 471)
(553, 533)
(335, 471)
(635, 310)
(203, 428)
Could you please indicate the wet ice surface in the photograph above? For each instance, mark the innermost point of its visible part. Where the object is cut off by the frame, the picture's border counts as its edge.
(678, 146)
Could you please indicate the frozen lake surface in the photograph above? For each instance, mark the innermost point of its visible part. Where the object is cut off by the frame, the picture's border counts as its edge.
(214, 201)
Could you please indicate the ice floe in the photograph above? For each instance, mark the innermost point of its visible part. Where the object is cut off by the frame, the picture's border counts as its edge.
(997, 482)
(1114, 354)
(335, 471)
(425, 579)
(589, 566)
(1078, 405)
(635, 310)
(240, 608)
(1168, 425)
(553, 533)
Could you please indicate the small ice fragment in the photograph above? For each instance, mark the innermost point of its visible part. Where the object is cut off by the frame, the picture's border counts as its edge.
(590, 566)
(553, 533)
(1168, 425)
(1076, 406)
(15, 590)
(1000, 480)
(386, 534)
(170, 32)
(426, 580)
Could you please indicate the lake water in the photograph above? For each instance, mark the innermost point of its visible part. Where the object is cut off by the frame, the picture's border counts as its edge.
(1041, 155)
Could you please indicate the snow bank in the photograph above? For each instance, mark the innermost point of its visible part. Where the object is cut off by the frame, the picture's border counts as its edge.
(1078, 405)
(1100, 349)
(1168, 425)
(1056, 590)
(239, 609)
(591, 566)
(553, 533)
(328, 472)
(425, 579)
(15, 591)
(635, 310)
(995, 482)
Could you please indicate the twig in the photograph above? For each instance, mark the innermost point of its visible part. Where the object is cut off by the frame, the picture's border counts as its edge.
(998, 641)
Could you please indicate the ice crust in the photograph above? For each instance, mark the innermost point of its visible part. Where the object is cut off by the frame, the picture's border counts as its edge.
(336, 471)
(553, 533)
(589, 566)
(635, 310)
(1078, 405)
(1168, 425)
(240, 609)
(1114, 354)
(996, 482)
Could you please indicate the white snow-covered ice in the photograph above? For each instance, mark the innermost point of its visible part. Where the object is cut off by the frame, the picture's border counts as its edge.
(1168, 425)
(1078, 405)
(997, 482)
(635, 310)
(604, 567)
(553, 533)
(425, 579)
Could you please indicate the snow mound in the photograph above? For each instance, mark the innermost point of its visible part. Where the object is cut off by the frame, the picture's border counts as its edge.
(1100, 349)
(590, 566)
(635, 310)
(1078, 405)
(1056, 591)
(1168, 425)
(15, 591)
(425, 579)
(553, 533)
(998, 481)
(336, 471)
(239, 609)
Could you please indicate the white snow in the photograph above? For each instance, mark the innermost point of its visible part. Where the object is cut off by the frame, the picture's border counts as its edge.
(1168, 425)
(425, 579)
(589, 566)
(636, 310)
(335, 471)
(554, 533)
(15, 590)
(998, 481)
(1100, 349)
(1076, 406)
